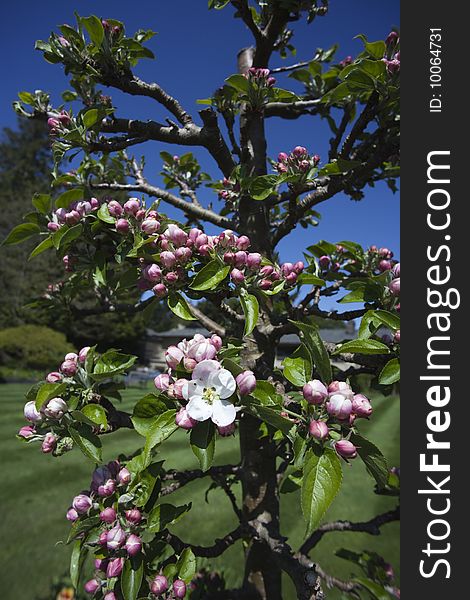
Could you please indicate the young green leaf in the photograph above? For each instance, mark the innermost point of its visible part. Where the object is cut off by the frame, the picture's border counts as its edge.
(390, 373)
(316, 347)
(131, 578)
(298, 367)
(202, 440)
(178, 305)
(363, 347)
(210, 276)
(374, 460)
(20, 233)
(250, 308)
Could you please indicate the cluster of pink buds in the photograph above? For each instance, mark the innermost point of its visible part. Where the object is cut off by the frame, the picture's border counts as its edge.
(58, 122)
(121, 523)
(392, 53)
(261, 77)
(347, 60)
(112, 30)
(73, 214)
(205, 395)
(159, 585)
(299, 161)
(380, 259)
(230, 191)
(54, 409)
(335, 403)
(270, 275)
(394, 285)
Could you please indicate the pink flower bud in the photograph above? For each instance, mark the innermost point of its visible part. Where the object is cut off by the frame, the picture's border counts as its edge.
(53, 124)
(287, 268)
(72, 217)
(299, 267)
(265, 284)
(394, 286)
(253, 260)
(71, 356)
(150, 226)
(396, 271)
(83, 354)
(267, 271)
(72, 515)
(168, 259)
(183, 254)
(173, 357)
(340, 386)
(176, 235)
(53, 226)
(178, 387)
(132, 206)
(299, 151)
(237, 276)
(110, 596)
(281, 168)
(243, 242)
(94, 203)
(49, 443)
(396, 337)
(31, 413)
(246, 382)
(201, 240)
(339, 406)
(92, 586)
(346, 449)
(133, 516)
(101, 564)
(291, 279)
(108, 515)
(391, 38)
(204, 250)
(361, 406)
(124, 476)
(55, 408)
(26, 432)
(103, 537)
(82, 503)
(171, 277)
(385, 265)
(107, 489)
(324, 262)
(68, 368)
(162, 382)
(115, 209)
(160, 290)
(304, 165)
(226, 430)
(282, 157)
(152, 273)
(179, 588)
(202, 351)
(385, 253)
(159, 585)
(183, 420)
(140, 215)
(194, 233)
(122, 226)
(229, 258)
(189, 363)
(316, 159)
(53, 377)
(115, 538)
(216, 341)
(133, 545)
(114, 568)
(315, 392)
(240, 258)
(318, 429)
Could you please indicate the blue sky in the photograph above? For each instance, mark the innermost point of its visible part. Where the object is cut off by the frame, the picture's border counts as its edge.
(195, 51)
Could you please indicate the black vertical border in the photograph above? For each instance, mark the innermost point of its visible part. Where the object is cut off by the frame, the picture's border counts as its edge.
(424, 132)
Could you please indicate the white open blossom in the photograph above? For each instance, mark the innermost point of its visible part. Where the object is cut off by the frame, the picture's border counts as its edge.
(207, 393)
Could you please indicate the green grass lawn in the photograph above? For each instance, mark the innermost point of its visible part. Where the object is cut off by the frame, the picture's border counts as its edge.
(36, 492)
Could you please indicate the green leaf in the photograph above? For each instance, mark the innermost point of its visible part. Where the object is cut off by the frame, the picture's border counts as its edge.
(316, 347)
(250, 308)
(103, 215)
(375, 49)
(131, 578)
(374, 460)
(266, 394)
(165, 514)
(42, 202)
(20, 233)
(263, 186)
(48, 391)
(76, 562)
(95, 29)
(157, 429)
(298, 367)
(377, 318)
(112, 363)
(376, 590)
(186, 565)
(87, 441)
(390, 373)
(202, 440)
(68, 197)
(82, 525)
(95, 413)
(310, 279)
(363, 347)
(70, 235)
(210, 276)
(26, 97)
(239, 82)
(273, 418)
(178, 305)
(44, 245)
(320, 484)
(90, 117)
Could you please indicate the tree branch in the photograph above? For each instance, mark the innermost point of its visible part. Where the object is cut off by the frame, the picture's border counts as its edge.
(372, 527)
(291, 110)
(206, 321)
(218, 548)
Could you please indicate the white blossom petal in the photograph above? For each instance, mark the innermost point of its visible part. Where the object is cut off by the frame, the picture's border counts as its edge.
(223, 413)
(223, 382)
(203, 370)
(198, 409)
(192, 389)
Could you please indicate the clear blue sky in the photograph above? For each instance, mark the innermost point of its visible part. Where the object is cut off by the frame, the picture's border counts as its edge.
(195, 51)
